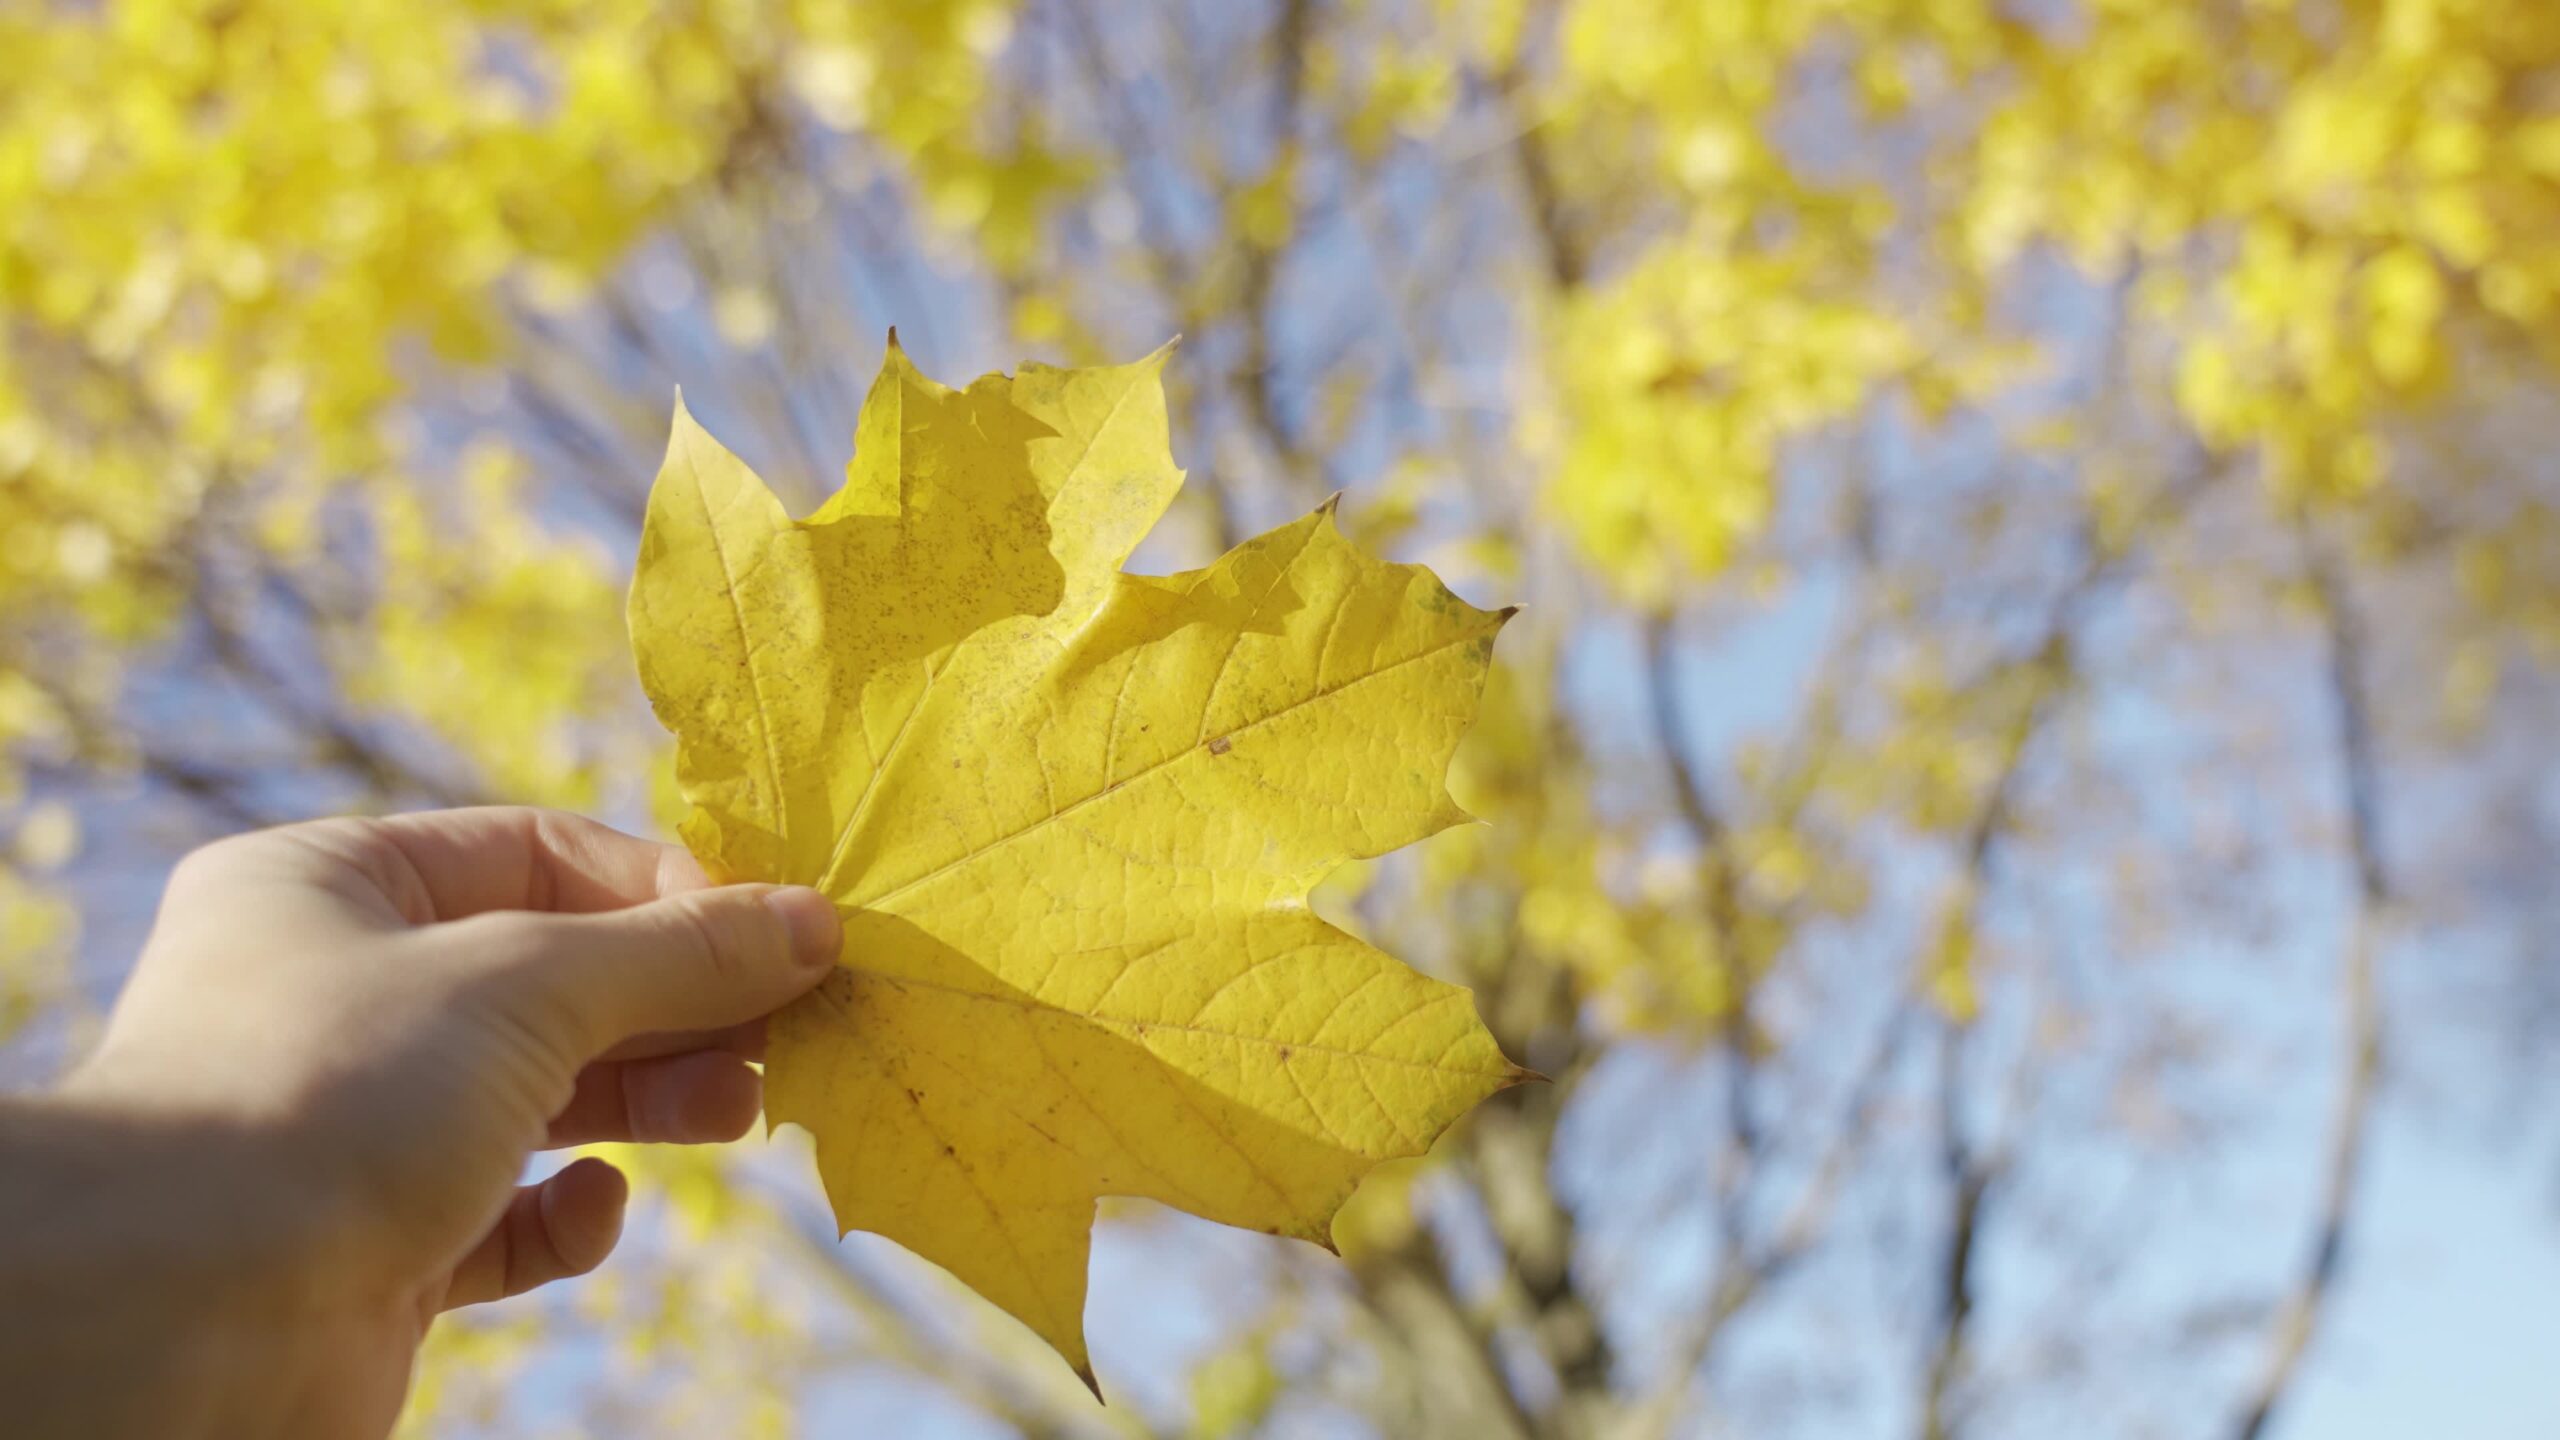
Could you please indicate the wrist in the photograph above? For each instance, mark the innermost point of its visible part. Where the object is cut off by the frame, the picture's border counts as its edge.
(150, 1263)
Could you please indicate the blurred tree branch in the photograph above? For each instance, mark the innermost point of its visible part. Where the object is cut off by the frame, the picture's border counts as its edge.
(2360, 1012)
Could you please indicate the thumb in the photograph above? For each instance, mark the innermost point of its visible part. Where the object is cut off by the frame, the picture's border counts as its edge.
(702, 960)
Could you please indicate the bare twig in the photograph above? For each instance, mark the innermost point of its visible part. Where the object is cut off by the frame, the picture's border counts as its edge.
(2048, 662)
(1542, 197)
(1968, 1181)
(2361, 1022)
(1716, 865)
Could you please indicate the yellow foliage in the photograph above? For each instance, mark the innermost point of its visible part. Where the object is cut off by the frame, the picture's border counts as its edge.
(492, 641)
(2334, 197)
(2338, 192)
(1234, 1390)
(1681, 381)
(233, 233)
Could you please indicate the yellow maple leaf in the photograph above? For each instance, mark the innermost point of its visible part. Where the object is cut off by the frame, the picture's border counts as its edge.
(1070, 817)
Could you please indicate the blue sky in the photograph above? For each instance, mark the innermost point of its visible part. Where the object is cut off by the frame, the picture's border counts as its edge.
(2449, 1322)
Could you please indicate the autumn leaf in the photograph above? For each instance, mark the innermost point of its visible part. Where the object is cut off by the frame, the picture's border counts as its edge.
(1071, 818)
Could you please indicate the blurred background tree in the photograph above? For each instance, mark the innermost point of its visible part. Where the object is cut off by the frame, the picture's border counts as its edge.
(2031, 723)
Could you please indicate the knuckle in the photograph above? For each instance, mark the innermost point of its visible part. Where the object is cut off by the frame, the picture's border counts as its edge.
(563, 829)
(515, 977)
(197, 867)
(503, 939)
(227, 853)
(725, 935)
(709, 937)
(216, 866)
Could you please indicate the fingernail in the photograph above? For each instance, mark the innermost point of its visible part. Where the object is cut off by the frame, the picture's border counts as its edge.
(816, 935)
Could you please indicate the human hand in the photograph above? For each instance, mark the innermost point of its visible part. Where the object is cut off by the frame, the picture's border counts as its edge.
(340, 1045)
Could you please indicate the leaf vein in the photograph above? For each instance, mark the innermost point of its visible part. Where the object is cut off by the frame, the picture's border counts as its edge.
(1315, 697)
(730, 578)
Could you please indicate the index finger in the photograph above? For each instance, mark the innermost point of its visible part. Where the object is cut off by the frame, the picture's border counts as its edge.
(515, 857)
(508, 857)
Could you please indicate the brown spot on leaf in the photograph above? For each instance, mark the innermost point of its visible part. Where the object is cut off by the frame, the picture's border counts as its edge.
(1221, 745)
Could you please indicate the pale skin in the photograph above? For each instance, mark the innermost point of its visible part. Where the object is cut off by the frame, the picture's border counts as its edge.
(300, 1137)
